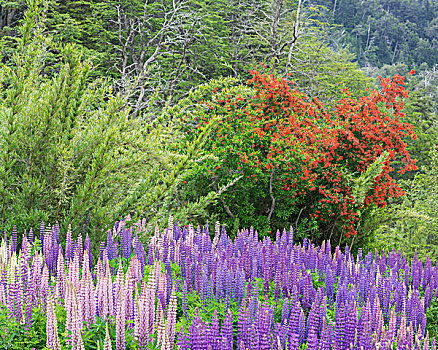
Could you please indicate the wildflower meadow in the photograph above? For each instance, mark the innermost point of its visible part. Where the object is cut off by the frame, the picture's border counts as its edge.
(195, 288)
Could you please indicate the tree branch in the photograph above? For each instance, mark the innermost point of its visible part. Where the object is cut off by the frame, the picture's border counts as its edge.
(271, 192)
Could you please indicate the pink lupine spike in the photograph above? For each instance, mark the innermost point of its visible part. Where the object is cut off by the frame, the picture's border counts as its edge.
(98, 270)
(89, 297)
(74, 269)
(120, 322)
(52, 326)
(118, 284)
(107, 344)
(392, 327)
(44, 286)
(159, 314)
(78, 320)
(108, 294)
(161, 332)
(151, 296)
(171, 318)
(60, 277)
(69, 313)
(80, 343)
(81, 293)
(86, 261)
(137, 326)
(129, 294)
(401, 337)
(426, 341)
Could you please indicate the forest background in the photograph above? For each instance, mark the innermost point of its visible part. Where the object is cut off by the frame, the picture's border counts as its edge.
(115, 108)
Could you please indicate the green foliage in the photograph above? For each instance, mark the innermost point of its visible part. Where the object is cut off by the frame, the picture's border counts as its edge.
(268, 137)
(13, 336)
(386, 32)
(410, 223)
(432, 319)
(68, 150)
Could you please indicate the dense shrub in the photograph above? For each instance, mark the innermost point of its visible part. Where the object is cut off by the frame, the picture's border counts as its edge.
(302, 162)
(68, 151)
(410, 223)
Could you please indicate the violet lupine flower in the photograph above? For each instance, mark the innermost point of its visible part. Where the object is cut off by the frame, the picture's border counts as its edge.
(42, 235)
(227, 331)
(293, 341)
(312, 340)
(214, 337)
(14, 240)
(325, 342)
(17, 300)
(29, 301)
(242, 326)
(87, 249)
(30, 236)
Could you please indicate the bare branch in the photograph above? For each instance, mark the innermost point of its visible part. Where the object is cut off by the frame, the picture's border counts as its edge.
(271, 192)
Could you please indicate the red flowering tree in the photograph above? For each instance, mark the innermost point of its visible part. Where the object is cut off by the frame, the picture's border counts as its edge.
(299, 159)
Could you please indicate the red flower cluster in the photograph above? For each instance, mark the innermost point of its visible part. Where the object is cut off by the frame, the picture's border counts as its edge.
(310, 146)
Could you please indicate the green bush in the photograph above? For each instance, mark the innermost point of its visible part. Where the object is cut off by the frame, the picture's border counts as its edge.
(410, 223)
(68, 150)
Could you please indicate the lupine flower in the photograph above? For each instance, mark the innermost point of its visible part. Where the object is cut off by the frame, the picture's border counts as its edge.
(377, 298)
(120, 321)
(107, 344)
(52, 327)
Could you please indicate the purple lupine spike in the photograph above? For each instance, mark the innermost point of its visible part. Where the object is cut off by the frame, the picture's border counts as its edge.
(302, 326)
(227, 331)
(14, 239)
(278, 281)
(293, 341)
(214, 338)
(329, 284)
(29, 299)
(312, 340)
(313, 318)
(255, 338)
(325, 342)
(87, 248)
(339, 336)
(30, 236)
(17, 300)
(242, 326)
(350, 326)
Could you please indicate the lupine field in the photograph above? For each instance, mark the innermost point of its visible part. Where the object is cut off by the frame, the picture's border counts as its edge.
(188, 288)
